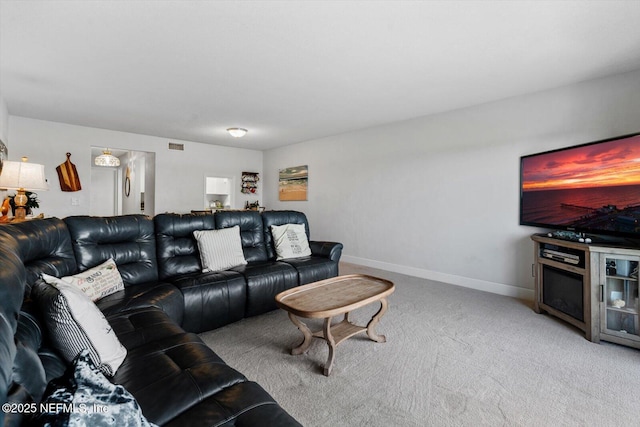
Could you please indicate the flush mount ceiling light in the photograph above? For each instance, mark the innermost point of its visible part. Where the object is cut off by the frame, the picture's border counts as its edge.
(107, 159)
(237, 132)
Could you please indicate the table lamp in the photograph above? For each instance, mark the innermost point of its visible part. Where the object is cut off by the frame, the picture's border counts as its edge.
(22, 176)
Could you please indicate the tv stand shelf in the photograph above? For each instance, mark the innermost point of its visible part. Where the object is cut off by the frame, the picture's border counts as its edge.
(593, 287)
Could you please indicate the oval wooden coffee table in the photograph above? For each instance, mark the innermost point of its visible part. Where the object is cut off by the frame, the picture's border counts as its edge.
(332, 297)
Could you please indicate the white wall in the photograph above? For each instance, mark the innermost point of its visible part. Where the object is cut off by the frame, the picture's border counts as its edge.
(4, 122)
(179, 182)
(438, 196)
(104, 188)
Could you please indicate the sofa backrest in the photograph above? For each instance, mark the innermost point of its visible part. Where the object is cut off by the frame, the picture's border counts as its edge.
(251, 232)
(42, 246)
(177, 249)
(130, 240)
(270, 218)
(27, 249)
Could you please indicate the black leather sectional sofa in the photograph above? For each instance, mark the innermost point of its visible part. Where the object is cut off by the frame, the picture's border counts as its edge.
(175, 378)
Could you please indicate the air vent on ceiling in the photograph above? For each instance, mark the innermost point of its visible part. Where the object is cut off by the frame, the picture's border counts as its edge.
(174, 146)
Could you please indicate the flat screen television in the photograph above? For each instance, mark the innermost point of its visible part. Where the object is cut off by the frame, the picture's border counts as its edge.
(592, 188)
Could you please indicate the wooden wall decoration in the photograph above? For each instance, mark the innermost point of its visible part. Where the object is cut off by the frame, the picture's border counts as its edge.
(68, 176)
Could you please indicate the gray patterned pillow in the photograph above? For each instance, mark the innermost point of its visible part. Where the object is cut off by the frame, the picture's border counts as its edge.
(220, 249)
(290, 241)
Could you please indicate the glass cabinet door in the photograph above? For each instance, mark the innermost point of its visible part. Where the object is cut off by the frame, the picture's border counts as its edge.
(619, 313)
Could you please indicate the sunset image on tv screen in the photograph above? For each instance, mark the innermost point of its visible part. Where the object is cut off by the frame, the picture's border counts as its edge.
(595, 186)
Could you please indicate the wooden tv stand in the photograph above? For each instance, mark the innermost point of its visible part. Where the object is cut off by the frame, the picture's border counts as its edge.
(591, 286)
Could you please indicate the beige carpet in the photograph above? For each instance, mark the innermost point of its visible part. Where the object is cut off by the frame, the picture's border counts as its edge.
(453, 357)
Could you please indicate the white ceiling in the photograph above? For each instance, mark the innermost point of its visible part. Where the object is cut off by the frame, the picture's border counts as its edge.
(292, 71)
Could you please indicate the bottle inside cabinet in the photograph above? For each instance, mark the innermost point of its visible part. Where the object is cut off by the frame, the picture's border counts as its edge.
(621, 297)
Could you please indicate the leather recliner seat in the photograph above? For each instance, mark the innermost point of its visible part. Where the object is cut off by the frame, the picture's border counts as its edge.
(174, 376)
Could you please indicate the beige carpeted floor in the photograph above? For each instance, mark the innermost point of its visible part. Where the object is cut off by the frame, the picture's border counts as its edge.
(453, 357)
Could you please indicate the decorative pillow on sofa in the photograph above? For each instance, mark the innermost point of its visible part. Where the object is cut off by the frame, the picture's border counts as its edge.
(290, 241)
(96, 282)
(220, 249)
(75, 323)
(94, 400)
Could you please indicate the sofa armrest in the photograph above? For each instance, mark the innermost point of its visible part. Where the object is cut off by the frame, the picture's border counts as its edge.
(331, 250)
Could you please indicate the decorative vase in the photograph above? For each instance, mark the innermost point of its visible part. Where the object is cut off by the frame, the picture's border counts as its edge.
(4, 210)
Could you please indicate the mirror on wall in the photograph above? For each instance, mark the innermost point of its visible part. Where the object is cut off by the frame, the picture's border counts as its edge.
(125, 189)
(218, 192)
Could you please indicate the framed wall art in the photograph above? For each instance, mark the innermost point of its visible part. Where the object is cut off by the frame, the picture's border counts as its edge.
(293, 183)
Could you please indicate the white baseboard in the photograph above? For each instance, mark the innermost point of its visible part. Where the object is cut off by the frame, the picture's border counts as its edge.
(467, 282)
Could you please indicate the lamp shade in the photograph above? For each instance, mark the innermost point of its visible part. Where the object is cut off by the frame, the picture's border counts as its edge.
(107, 159)
(23, 175)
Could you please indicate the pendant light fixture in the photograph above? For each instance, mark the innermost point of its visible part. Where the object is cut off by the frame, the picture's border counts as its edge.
(107, 159)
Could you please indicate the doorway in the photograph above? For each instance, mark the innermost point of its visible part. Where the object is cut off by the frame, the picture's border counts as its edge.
(125, 189)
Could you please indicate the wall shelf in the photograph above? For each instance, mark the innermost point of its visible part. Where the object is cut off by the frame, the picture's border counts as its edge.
(249, 183)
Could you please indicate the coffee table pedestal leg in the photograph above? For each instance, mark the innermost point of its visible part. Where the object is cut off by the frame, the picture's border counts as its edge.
(332, 346)
(304, 346)
(371, 326)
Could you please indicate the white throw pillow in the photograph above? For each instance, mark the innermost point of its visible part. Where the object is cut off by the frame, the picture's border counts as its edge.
(290, 241)
(75, 323)
(97, 282)
(220, 249)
